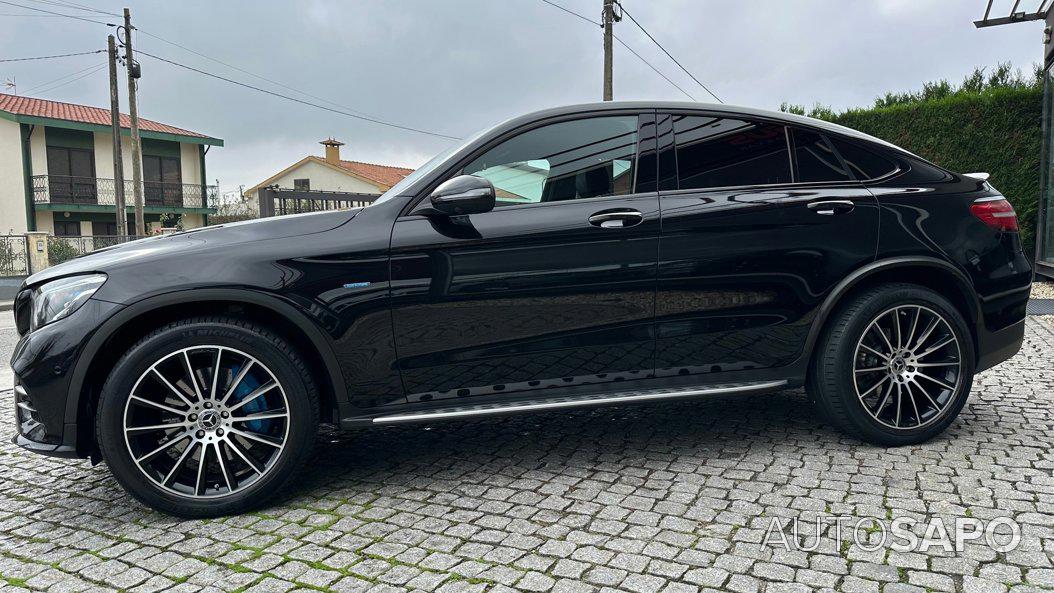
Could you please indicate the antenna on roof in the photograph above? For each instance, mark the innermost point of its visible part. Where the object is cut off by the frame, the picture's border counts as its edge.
(11, 85)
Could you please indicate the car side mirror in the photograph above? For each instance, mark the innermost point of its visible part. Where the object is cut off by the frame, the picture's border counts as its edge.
(464, 194)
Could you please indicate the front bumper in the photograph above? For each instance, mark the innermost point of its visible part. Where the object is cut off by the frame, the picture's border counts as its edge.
(46, 401)
(31, 433)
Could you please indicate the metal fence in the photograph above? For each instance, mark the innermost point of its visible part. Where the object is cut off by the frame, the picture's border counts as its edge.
(14, 255)
(61, 249)
(68, 189)
(276, 201)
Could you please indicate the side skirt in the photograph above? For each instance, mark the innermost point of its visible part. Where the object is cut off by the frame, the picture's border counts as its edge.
(563, 403)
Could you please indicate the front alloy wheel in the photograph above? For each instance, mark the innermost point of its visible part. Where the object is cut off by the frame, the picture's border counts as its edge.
(206, 421)
(207, 417)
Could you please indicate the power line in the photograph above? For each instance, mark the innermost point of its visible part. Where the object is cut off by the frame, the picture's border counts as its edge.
(83, 53)
(92, 70)
(666, 78)
(341, 109)
(44, 84)
(254, 75)
(301, 101)
(668, 54)
(623, 44)
(572, 13)
(75, 6)
(70, 16)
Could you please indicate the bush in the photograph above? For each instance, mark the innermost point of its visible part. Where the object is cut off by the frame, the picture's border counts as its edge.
(60, 250)
(990, 123)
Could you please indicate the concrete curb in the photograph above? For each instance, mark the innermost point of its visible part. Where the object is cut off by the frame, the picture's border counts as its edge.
(6, 305)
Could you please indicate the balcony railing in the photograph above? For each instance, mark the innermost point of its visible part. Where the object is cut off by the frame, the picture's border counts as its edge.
(67, 189)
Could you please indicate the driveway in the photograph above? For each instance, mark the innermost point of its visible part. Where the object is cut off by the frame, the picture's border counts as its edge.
(644, 499)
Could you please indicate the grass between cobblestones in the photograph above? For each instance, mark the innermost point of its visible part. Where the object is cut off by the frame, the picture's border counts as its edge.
(658, 499)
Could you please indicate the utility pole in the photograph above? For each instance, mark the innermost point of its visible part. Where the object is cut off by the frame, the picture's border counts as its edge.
(608, 20)
(115, 123)
(133, 114)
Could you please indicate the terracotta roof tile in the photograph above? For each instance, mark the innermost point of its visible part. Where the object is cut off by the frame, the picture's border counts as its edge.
(81, 113)
(382, 174)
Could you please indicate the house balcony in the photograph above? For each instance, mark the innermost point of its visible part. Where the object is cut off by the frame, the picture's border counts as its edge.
(65, 192)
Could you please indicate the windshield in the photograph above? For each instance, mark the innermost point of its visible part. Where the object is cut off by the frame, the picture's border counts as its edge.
(426, 168)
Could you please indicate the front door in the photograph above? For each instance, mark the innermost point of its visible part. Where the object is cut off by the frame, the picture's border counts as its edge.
(759, 222)
(553, 288)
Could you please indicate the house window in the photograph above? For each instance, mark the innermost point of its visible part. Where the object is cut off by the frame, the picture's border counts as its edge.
(162, 181)
(302, 184)
(99, 229)
(71, 175)
(67, 228)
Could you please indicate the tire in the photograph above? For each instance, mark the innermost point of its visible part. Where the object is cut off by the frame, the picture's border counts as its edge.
(912, 394)
(254, 422)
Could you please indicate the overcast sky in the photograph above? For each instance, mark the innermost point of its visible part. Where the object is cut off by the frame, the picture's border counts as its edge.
(458, 65)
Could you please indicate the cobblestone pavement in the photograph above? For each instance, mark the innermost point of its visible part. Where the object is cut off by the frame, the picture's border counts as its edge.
(8, 339)
(648, 499)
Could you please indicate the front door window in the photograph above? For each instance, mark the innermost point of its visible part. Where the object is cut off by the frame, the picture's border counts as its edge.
(586, 158)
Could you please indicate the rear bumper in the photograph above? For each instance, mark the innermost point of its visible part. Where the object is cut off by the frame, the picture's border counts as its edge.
(996, 346)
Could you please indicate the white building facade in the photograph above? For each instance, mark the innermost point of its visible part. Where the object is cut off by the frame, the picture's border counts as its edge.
(57, 171)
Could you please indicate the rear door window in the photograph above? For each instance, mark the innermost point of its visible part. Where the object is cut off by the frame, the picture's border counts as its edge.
(723, 152)
(816, 160)
(862, 162)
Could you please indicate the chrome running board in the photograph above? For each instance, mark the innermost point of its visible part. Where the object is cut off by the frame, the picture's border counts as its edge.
(539, 405)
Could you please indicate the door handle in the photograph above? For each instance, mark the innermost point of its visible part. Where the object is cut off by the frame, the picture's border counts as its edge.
(832, 207)
(616, 219)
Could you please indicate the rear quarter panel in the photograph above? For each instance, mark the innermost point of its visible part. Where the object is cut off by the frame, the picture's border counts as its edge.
(925, 211)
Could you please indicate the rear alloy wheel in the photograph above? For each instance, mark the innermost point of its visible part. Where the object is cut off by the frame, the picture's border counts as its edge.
(907, 367)
(894, 366)
(207, 417)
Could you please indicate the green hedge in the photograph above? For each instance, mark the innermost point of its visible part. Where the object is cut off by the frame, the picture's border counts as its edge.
(998, 131)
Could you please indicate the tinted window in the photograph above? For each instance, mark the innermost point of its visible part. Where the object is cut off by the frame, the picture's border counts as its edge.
(717, 152)
(815, 159)
(585, 158)
(864, 163)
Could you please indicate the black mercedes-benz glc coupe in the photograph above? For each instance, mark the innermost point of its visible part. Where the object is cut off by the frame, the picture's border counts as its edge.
(609, 253)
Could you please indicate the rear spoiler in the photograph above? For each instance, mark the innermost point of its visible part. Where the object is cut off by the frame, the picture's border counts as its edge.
(978, 176)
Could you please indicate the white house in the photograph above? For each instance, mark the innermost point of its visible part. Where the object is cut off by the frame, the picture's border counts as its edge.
(56, 170)
(332, 174)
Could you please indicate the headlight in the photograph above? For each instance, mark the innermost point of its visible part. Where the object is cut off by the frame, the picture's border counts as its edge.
(57, 299)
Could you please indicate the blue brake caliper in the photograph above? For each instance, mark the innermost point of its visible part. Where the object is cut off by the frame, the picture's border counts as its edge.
(247, 386)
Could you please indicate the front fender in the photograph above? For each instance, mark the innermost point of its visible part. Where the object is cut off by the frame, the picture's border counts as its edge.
(277, 305)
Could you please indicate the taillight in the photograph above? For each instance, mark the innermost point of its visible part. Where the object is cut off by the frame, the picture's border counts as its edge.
(996, 212)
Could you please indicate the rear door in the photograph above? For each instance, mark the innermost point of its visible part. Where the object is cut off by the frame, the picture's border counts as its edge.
(553, 288)
(759, 222)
